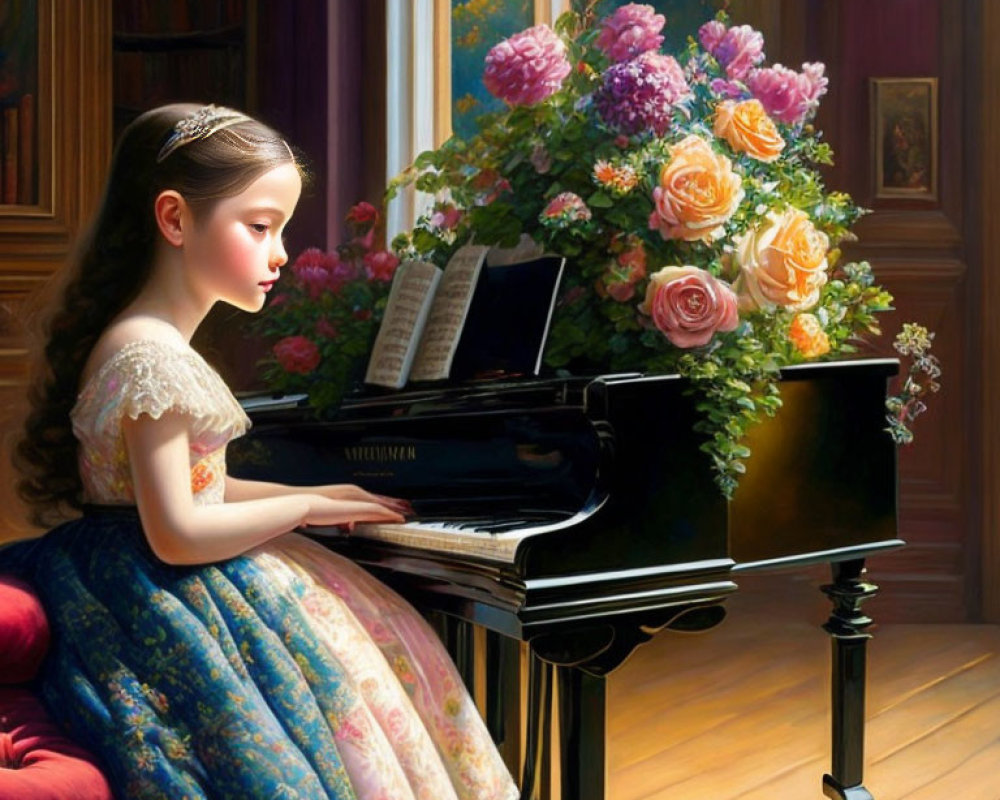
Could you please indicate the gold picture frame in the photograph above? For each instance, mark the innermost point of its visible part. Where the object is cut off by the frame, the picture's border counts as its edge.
(905, 141)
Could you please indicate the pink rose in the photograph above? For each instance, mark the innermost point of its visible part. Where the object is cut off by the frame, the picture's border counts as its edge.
(688, 305)
(380, 265)
(788, 96)
(528, 67)
(297, 354)
(632, 30)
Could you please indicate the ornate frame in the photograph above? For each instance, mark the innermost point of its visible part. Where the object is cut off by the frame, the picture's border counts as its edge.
(895, 99)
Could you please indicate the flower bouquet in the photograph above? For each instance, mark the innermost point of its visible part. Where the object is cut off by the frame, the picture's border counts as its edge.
(322, 322)
(685, 194)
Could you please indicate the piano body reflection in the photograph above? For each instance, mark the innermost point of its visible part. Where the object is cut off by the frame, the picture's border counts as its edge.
(579, 516)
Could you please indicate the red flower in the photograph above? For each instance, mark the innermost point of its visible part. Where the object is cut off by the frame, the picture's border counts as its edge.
(362, 314)
(297, 354)
(380, 265)
(326, 329)
(363, 214)
(312, 270)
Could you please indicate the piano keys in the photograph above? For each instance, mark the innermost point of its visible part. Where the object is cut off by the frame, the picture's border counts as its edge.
(579, 516)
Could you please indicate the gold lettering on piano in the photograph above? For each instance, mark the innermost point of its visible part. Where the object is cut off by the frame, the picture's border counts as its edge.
(381, 453)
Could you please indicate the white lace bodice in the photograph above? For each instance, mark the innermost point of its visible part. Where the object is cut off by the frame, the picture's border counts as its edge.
(152, 377)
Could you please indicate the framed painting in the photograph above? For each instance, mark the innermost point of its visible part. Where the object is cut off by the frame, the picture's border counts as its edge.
(904, 114)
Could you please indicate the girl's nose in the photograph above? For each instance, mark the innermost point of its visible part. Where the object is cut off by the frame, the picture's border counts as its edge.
(279, 257)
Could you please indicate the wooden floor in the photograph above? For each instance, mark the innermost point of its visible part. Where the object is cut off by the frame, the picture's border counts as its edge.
(742, 711)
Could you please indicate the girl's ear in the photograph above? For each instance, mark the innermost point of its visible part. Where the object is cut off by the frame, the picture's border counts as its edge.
(170, 210)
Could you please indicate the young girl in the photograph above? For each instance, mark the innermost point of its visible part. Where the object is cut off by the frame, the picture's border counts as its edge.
(200, 648)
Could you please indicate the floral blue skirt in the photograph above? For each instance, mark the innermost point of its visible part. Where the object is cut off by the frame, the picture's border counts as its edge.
(285, 673)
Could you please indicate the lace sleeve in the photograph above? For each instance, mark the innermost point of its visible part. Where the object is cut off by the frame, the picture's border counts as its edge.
(153, 377)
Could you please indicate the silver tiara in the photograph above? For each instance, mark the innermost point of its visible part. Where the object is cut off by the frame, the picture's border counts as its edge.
(199, 125)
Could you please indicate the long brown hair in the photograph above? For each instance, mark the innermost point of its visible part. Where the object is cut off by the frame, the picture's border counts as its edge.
(110, 265)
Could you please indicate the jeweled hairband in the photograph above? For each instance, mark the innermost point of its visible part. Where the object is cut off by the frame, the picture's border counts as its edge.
(199, 124)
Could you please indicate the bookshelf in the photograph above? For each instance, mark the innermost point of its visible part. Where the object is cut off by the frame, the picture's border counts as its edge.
(182, 51)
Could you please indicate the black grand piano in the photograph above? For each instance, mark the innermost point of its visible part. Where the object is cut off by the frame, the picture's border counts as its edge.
(577, 515)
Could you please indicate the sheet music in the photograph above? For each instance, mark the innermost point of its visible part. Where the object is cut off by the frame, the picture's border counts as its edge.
(447, 314)
(405, 315)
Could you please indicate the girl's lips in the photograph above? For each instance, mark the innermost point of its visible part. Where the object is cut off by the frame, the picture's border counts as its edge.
(267, 285)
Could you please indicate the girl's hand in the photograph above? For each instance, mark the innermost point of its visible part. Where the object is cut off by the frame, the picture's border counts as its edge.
(345, 513)
(348, 491)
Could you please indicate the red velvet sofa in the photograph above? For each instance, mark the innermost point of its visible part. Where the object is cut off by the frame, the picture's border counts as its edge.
(37, 761)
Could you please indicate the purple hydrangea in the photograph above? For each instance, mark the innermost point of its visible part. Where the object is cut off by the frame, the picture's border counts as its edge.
(631, 31)
(528, 67)
(641, 94)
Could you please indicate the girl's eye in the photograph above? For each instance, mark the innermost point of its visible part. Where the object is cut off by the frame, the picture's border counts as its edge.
(258, 227)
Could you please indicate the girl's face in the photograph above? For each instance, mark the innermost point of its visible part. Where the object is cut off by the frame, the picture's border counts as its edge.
(237, 250)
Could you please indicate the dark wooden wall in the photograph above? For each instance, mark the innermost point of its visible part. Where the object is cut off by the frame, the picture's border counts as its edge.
(922, 252)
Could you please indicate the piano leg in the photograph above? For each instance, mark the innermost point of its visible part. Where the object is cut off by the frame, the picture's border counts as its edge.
(582, 711)
(535, 779)
(847, 627)
(580, 722)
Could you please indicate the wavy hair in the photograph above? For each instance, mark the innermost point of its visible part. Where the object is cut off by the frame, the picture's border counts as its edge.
(110, 265)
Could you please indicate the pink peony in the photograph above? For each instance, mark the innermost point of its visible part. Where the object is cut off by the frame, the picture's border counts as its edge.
(710, 35)
(632, 30)
(640, 95)
(788, 96)
(688, 305)
(312, 270)
(380, 265)
(297, 354)
(528, 67)
(741, 49)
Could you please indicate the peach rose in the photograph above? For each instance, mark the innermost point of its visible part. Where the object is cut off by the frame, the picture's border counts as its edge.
(808, 336)
(748, 129)
(689, 305)
(698, 192)
(782, 264)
